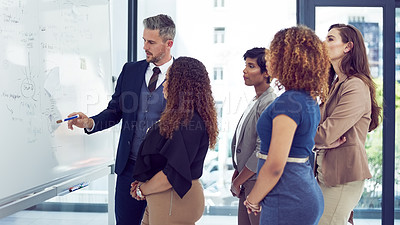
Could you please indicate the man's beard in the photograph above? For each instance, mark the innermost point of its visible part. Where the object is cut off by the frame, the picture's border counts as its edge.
(154, 59)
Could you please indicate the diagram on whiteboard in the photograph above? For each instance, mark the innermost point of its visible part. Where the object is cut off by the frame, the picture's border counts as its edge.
(55, 58)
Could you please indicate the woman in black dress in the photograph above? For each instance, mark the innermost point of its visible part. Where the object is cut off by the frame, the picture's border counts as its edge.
(170, 160)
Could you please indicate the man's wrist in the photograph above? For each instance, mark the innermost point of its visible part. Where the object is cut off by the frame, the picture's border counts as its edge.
(90, 126)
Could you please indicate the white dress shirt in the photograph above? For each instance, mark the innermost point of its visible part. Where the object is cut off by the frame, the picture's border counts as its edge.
(161, 76)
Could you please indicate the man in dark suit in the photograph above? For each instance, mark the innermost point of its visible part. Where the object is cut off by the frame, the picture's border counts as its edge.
(138, 100)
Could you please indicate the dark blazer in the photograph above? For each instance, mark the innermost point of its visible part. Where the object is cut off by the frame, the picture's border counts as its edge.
(123, 105)
(346, 112)
(249, 142)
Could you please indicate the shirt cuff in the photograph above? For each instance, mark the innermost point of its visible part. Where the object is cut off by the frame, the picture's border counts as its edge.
(91, 129)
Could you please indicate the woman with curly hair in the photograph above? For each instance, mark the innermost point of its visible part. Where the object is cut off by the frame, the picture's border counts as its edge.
(286, 191)
(349, 113)
(170, 160)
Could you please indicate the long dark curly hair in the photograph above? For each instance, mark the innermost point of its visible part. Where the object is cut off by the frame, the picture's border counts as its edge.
(299, 60)
(188, 89)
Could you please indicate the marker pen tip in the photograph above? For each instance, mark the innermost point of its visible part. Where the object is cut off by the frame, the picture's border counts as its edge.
(59, 121)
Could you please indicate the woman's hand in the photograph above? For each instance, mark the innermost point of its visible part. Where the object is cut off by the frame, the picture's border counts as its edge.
(252, 207)
(133, 188)
(139, 194)
(235, 189)
(135, 191)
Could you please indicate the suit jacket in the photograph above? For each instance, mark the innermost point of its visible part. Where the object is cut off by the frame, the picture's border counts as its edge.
(347, 112)
(249, 143)
(123, 105)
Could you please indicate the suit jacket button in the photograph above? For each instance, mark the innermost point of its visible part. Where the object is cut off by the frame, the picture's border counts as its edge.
(129, 142)
(238, 151)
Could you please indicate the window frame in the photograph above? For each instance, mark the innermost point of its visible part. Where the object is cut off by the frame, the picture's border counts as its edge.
(306, 16)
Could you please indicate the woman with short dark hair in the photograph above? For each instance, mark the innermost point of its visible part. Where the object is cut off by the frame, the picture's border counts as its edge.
(245, 142)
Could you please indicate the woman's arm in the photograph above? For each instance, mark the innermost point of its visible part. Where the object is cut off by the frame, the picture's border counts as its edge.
(158, 183)
(335, 144)
(283, 129)
(243, 176)
(251, 165)
(353, 104)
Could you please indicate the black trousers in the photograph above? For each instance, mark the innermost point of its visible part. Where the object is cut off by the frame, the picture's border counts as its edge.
(128, 211)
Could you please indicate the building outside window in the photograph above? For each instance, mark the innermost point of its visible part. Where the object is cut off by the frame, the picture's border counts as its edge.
(218, 73)
(219, 3)
(219, 106)
(219, 34)
(371, 34)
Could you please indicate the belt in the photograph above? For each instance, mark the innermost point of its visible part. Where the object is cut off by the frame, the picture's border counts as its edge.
(289, 159)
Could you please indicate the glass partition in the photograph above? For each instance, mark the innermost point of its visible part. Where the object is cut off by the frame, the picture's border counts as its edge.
(369, 21)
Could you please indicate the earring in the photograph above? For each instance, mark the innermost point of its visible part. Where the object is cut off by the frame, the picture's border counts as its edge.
(268, 79)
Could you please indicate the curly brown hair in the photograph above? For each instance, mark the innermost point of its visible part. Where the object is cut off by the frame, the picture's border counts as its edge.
(299, 61)
(188, 89)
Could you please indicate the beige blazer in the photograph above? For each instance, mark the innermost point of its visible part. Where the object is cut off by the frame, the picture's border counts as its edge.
(346, 112)
(249, 143)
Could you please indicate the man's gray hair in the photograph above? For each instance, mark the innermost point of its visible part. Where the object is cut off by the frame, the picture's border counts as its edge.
(163, 23)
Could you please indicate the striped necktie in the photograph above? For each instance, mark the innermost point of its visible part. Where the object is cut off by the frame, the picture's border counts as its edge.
(153, 79)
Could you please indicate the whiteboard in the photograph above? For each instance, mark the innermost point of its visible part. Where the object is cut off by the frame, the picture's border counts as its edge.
(55, 58)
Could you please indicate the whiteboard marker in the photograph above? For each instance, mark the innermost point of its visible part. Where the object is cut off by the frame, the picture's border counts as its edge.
(78, 186)
(69, 118)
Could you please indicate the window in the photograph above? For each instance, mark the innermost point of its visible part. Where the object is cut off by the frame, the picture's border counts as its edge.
(369, 21)
(370, 32)
(397, 118)
(219, 35)
(219, 106)
(218, 73)
(219, 3)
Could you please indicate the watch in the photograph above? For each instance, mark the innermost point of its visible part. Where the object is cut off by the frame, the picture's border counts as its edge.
(139, 192)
